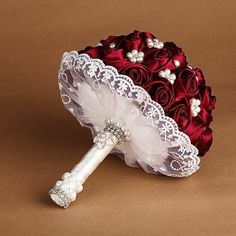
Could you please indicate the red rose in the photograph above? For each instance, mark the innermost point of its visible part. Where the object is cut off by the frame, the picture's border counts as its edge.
(188, 82)
(177, 53)
(140, 74)
(200, 135)
(162, 92)
(159, 59)
(135, 40)
(207, 104)
(180, 112)
(199, 76)
(207, 101)
(116, 40)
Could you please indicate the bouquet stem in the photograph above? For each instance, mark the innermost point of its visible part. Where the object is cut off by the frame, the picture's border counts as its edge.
(66, 190)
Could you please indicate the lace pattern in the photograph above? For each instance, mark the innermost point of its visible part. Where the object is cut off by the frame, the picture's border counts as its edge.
(182, 157)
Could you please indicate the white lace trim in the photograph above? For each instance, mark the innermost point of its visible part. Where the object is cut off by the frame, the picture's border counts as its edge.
(183, 157)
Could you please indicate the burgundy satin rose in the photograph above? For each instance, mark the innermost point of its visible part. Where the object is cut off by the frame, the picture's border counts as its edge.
(207, 100)
(199, 76)
(116, 40)
(159, 59)
(140, 74)
(180, 112)
(188, 82)
(162, 92)
(135, 40)
(177, 53)
(198, 129)
(207, 104)
(200, 135)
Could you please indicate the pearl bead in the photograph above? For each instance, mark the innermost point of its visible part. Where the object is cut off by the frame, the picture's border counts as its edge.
(133, 60)
(58, 183)
(139, 59)
(150, 45)
(172, 76)
(141, 54)
(162, 73)
(159, 46)
(73, 196)
(112, 45)
(66, 175)
(176, 63)
(129, 55)
(79, 188)
(167, 71)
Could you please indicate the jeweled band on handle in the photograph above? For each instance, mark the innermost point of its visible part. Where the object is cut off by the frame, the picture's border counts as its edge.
(66, 190)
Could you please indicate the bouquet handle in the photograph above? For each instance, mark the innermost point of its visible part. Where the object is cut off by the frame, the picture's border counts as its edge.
(66, 189)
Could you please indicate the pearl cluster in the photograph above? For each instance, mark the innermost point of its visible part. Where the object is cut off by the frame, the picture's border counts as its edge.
(155, 43)
(117, 129)
(195, 106)
(168, 75)
(135, 56)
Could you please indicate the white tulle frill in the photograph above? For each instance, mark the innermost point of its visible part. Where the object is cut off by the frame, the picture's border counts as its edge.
(93, 92)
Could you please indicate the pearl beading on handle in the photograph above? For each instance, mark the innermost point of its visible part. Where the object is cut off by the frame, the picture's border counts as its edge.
(66, 190)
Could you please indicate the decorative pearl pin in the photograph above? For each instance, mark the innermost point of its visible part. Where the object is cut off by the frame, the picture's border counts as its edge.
(154, 43)
(115, 128)
(134, 56)
(195, 106)
(168, 75)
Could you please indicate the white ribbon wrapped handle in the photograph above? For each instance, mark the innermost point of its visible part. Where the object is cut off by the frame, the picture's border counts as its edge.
(65, 190)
